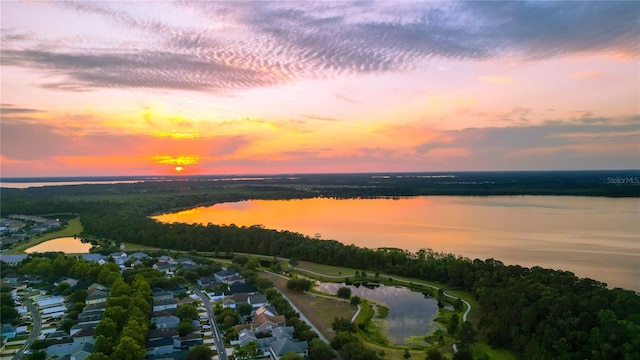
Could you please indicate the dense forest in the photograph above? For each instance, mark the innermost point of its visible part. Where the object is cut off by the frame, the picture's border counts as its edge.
(536, 313)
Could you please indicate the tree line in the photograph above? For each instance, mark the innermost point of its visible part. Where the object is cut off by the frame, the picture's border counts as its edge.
(537, 313)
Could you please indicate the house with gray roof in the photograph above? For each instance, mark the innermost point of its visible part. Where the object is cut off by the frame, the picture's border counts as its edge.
(283, 346)
(82, 352)
(78, 327)
(97, 297)
(159, 346)
(161, 295)
(166, 322)
(97, 258)
(166, 304)
(85, 336)
(12, 260)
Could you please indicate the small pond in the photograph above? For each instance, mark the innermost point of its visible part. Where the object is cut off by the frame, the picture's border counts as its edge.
(410, 313)
(68, 245)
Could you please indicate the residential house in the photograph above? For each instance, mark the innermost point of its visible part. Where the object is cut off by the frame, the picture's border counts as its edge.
(101, 306)
(82, 352)
(85, 336)
(97, 258)
(207, 282)
(166, 267)
(8, 331)
(119, 257)
(90, 317)
(138, 256)
(266, 323)
(95, 286)
(222, 275)
(32, 279)
(58, 351)
(162, 295)
(97, 296)
(70, 281)
(159, 346)
(257, 300)
(12, 260)
(269, 310)
(283, 346)
(12, 278)
(233, 301)
(238, 287)
(79, 327)
(161, 333)
(166, 322)
(167, 304)
(49, 301)
(187, 341)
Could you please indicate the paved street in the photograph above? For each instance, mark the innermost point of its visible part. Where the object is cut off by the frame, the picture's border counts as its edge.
(37, 325)
(222, 353)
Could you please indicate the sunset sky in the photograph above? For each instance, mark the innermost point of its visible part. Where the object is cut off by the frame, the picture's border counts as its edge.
(146, 88)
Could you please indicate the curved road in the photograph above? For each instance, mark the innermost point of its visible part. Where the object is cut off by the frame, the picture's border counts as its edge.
(37, 326)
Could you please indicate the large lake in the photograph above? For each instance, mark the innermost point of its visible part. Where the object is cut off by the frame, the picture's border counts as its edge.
(594, 237)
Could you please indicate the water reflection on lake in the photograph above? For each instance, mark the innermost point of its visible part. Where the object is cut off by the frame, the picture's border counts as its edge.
(594, 237)
(410, 313)
(67, 245)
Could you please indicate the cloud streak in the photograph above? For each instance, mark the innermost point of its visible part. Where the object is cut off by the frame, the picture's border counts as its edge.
(241, 45)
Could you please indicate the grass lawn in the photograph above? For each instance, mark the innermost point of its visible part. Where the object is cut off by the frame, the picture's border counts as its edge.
(480, 349)
(74, 228)
(319, 310)
(137, 247)
(326, 269)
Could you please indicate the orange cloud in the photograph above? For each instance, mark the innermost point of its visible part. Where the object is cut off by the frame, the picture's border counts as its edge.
(180, 160)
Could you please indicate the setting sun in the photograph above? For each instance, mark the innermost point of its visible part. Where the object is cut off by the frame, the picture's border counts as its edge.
(178, 168)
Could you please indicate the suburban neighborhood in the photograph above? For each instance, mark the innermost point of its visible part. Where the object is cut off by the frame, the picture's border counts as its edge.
(65, 319)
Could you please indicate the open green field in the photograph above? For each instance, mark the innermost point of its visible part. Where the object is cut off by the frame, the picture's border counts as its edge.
(74, 228)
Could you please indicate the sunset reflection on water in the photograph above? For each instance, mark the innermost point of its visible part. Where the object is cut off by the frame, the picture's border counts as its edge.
(592, 237)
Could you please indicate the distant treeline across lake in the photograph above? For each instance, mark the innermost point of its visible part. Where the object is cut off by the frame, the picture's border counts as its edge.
(594, 237)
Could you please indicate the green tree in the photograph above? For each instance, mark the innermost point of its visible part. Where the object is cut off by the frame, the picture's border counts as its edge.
(187, 312)
(466, 334)
(291, 356)
(128, 349)
(434, 354)
(344, 292)
(300, 285)
(8, 313)
(116, 313)
(341, 324)
(98, 356)
(104, 345)
(249, 351)
(200, 352)
(463, 355)
(107, 327)
(452, 325)
(245, 309)
(355, 300)
(406, 354)
(185, 327)
(38, 355)
(319, 350)
(252, 264)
